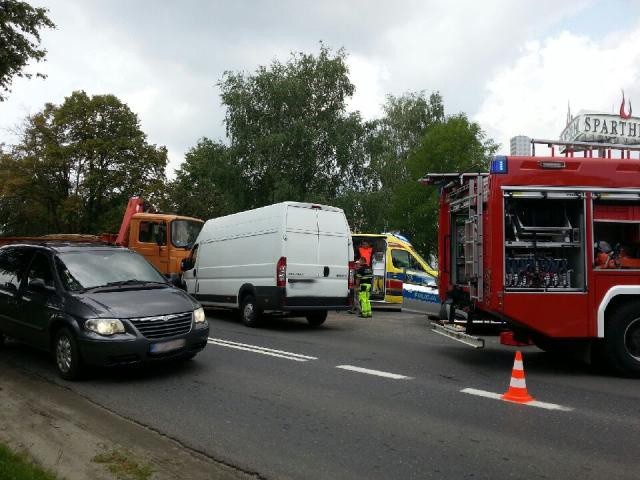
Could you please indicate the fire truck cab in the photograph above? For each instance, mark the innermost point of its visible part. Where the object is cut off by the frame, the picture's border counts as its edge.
(548, 245)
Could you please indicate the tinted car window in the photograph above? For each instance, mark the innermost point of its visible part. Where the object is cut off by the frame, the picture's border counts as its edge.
(80, 270)
(400, 258)
(148, 232)
(13, 262)
(40, 268)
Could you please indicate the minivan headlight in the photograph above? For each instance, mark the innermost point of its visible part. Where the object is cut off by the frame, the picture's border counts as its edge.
(104, 326)
(199, 316)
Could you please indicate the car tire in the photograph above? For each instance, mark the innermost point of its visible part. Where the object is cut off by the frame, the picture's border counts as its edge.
(67, 355)
(249, 311)
(316, 319)
(622, 339)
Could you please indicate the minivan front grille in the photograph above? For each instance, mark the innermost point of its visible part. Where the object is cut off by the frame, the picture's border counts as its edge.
(163, 325)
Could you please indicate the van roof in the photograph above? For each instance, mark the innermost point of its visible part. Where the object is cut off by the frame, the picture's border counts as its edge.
(312, 205)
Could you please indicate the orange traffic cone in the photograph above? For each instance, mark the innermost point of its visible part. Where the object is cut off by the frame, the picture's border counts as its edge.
(517, 387)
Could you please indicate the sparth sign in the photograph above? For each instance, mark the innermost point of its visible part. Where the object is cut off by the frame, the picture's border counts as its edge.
(602, 127)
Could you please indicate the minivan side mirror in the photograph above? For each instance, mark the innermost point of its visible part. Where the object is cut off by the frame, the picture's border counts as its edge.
(38, 285)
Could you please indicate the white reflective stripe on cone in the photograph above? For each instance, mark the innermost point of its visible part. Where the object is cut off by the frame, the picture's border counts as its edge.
(518, 383)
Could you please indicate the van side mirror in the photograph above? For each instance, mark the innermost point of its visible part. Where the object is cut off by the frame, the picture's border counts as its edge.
(186, 264)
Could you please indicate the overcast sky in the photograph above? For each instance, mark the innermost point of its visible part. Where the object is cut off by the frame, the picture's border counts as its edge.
(510, 65)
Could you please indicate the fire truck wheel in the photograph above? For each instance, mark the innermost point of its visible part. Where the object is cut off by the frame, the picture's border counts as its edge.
(444, 315)
(249, 311)
(622, 339)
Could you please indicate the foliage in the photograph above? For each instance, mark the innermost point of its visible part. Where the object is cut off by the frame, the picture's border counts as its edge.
(289, 130)
(455, 145)
(20, 26)
(19, 467)
(76, 166)
(208, 183)
(390, 140)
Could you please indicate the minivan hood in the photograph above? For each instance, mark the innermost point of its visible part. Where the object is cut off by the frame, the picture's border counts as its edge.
(128, 303)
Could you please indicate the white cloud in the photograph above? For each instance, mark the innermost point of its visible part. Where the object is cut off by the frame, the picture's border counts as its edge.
(530, 96)
(164, 59)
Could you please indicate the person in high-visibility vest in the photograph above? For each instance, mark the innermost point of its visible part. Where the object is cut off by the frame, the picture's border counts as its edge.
(363, 300)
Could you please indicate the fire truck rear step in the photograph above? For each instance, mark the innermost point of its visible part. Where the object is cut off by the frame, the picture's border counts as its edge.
(457, 333)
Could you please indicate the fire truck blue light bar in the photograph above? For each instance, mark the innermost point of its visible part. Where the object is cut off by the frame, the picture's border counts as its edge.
(498, 164)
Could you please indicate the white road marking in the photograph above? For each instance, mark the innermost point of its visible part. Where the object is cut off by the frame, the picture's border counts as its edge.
(263, 350)
(374, 372)
(497, 396)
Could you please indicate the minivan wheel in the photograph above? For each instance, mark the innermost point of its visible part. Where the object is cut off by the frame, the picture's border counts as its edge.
(249, 312)
(67, 355)
(316, 319)
(622, 339)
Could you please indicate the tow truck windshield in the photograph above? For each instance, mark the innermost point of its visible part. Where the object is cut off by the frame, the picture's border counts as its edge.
(185, 232)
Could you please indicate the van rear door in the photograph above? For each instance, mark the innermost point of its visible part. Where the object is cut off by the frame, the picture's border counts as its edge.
(335, 250)
(301, 251)
(318, 251)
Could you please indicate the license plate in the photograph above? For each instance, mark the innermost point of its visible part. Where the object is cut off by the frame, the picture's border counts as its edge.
(167, 346)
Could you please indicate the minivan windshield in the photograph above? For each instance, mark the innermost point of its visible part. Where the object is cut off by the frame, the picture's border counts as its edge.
(98, 268)
(185, 232)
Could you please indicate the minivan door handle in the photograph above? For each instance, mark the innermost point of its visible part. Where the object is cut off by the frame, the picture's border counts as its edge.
(326, 271)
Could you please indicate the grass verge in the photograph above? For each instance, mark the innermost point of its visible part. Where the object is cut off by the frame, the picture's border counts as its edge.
(17, 466)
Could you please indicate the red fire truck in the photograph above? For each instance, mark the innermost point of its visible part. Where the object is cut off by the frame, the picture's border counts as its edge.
(547, 245)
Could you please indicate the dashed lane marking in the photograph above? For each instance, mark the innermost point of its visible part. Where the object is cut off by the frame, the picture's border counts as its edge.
(534, 403)
(262, 350)
(379, 373)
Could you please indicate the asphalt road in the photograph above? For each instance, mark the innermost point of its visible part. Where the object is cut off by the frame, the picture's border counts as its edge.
(288, 401)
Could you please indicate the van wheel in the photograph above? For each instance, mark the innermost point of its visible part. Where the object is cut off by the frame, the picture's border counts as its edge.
(316, 319)
(67, 355)
(249, 312)
(622, 339)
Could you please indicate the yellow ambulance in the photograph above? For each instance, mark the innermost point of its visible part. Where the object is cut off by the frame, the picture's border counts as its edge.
(382, 260)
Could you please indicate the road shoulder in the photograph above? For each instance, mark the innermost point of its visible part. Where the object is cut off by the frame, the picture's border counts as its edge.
(65, 433)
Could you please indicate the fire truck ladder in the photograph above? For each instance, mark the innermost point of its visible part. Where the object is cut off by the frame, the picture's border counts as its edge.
(473, 237)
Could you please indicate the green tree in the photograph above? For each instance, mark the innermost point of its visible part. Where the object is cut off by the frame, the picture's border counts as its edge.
(208, 184)
(289, 130)
(455, 145)
(20, 26)
(387, 145)
(76, 166)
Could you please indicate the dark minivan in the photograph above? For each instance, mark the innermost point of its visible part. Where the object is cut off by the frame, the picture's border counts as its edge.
(95, 305)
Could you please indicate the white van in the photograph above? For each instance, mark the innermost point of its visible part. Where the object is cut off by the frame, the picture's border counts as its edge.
(289, 257)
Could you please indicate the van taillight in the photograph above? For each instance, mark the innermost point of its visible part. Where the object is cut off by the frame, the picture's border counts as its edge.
(352, 274)
(281, 272)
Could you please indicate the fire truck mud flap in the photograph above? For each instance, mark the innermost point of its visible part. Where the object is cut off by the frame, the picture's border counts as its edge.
(457, 333)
